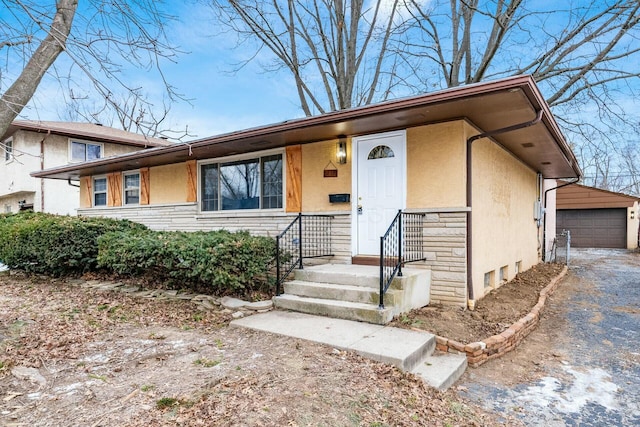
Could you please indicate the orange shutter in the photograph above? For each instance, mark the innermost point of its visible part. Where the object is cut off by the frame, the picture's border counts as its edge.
(294, 178)
(144, 186)
(192, 178)
(85, 184)
(114, 189)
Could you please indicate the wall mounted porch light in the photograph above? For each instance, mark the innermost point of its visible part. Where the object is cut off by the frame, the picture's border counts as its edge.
(341, 150)
(633, 214)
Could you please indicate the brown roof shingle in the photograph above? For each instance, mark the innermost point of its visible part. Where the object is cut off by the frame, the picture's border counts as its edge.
(94, 132)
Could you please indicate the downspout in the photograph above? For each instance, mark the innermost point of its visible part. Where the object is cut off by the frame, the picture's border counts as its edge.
(470, 295)
(544, 217)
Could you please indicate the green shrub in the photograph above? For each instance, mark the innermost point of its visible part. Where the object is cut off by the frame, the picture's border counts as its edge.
(52, 244)
(218, 262)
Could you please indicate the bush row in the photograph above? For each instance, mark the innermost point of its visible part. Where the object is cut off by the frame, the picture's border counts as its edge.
(54, 245)
(219, 262)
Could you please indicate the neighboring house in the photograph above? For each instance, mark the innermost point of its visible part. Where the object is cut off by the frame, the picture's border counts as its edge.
(473, 161)
(597, 218)
(37, 145)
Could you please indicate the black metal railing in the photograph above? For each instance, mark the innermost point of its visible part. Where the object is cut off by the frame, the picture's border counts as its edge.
(308, 236)
(402, 243)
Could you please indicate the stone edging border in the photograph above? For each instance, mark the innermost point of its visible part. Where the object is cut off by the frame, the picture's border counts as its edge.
(495, 346)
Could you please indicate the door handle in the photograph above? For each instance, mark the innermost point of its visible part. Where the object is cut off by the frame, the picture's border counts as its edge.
(359, 209)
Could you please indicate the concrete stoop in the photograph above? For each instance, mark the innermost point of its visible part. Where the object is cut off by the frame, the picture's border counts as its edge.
(352, 292)
(410, 351)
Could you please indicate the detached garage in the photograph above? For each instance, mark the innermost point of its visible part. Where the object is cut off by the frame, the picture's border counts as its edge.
(597, 218)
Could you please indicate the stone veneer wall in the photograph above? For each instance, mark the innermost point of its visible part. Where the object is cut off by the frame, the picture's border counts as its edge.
(186, 217)
(445, 245)
(444, 236)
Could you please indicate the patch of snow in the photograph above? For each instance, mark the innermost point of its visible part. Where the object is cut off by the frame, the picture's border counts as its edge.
(68, 389)
(592, 386)
(178, 344)
(99, 358)
(28, 374)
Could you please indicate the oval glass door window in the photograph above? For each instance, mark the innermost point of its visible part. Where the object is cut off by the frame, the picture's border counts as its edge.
(380, 152)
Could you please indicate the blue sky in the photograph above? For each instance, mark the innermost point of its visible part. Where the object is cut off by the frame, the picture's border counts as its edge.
(219, 101)
(223, 101)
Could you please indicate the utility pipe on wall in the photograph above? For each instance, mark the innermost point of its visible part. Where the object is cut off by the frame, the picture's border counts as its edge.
(544, 215)
(470, 294)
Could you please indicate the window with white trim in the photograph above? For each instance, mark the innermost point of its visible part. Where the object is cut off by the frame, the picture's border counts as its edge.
(131, 188)
(100, 191)
(8, 149)
(80, 151)
(254, 183)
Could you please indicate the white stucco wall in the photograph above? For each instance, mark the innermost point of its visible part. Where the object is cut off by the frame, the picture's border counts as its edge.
(16, 183)
(26, 157)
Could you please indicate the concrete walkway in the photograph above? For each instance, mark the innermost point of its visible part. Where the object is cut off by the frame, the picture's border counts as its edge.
(411, 351)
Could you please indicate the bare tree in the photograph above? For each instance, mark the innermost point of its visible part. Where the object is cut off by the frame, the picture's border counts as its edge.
(97, 39)
(129, 111)
(337, 51)
(585, 54)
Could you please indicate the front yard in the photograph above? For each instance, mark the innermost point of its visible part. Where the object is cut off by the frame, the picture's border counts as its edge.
(82, 357)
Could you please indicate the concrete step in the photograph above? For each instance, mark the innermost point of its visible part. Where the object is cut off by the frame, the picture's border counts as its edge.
(332, 291)
(355, 275)
(441, 370)
(411, 351)
(333, 308)
(344, 274)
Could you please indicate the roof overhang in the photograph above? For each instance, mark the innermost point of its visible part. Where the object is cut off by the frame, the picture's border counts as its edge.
(89, 131)
(488, 106)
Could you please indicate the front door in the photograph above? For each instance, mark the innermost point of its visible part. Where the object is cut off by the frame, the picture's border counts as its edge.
(380, 187)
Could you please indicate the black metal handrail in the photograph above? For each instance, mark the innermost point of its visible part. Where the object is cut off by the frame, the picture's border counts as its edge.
(308, 236)
(402, 243)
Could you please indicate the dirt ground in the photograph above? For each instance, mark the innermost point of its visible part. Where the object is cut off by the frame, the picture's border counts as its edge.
(493, 314)
(82, 357)
(75, 356)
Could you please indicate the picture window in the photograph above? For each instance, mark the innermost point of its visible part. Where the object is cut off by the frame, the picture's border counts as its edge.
(254, 183)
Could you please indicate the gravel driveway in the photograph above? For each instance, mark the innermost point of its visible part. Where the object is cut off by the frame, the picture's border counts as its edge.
(581, 367)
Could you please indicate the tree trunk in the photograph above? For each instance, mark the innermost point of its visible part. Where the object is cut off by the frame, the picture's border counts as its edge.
(23, 88)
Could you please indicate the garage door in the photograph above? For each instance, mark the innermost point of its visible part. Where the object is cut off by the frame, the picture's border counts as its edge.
(594, 228)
